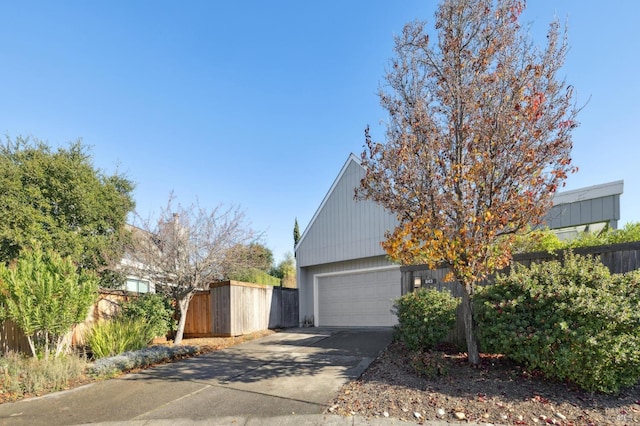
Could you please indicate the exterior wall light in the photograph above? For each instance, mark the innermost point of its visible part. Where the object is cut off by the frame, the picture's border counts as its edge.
(417, 282)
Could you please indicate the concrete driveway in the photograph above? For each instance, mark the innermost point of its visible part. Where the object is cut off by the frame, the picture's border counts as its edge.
(291, 373)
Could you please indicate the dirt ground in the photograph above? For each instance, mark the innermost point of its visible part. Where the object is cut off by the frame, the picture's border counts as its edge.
(495, 392)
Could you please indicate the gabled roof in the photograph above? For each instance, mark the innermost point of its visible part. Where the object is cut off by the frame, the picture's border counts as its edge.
(344, 228)
(352, 157)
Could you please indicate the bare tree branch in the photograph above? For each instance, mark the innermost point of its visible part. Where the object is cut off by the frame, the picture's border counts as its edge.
(186, 249)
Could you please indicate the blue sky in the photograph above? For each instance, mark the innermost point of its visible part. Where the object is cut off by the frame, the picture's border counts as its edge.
(259, 103)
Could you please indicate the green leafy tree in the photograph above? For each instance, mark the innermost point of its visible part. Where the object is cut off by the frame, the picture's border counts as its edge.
(479, 139)
(286, 271)
(296, 233)
(61, 200)
(45, 295)
(248, 256)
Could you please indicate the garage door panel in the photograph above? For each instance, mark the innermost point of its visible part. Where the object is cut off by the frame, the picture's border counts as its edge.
(358, 299)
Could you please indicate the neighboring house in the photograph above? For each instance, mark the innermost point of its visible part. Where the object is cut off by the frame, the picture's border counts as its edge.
(344, 275)
(136, 281)
(587, 209)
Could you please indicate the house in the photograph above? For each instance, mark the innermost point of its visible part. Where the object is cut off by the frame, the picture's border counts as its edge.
(344, 275)
(136, 281)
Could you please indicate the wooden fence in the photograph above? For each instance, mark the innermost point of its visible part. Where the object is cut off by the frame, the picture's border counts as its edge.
(227, 309)
(198, 322)
(619, 258)
(237, 308)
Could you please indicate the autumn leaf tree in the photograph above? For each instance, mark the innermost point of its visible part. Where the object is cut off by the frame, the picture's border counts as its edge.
(187, 249)
(477, 142)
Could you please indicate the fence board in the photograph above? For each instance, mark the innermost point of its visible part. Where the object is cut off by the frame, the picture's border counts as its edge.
(198, 321)
(240, 308)
(13, 339)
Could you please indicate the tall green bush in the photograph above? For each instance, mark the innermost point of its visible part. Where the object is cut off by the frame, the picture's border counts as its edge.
(45, 296)
(570, 320)
(112, 337)
(424, 317)
(154, 309)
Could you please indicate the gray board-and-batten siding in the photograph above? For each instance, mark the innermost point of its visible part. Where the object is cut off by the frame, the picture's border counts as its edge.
(344, 229)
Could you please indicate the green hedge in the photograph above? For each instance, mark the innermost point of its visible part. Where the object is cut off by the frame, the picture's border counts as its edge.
(424, 317)
(255, 276)
(547, 240)
(570, 320)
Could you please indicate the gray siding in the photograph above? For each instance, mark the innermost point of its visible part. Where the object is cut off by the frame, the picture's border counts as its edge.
(343, 228)
(602, 209)
(593, 204)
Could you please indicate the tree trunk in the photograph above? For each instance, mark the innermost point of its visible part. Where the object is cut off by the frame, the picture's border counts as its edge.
(32, 346)
(183, 304)
(470, 327)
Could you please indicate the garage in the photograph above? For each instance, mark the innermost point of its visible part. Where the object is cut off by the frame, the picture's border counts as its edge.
(357, 298)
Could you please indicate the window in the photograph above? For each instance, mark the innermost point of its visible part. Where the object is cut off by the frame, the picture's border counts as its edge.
(137, 286)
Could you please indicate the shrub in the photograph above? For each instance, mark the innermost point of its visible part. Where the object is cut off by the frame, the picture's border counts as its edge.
(121, 334)
(547, 240)
(571, 320)
(537, 240)
(21, 375)
(424, 317)
(45, 295)
(139, 359)
(155, 310)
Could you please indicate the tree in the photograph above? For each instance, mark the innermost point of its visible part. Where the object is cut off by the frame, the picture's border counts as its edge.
(286, 271)
(248, 256)
(45, 296)
(186, 250)
(296, 233)
(61, 200)
(477, 143)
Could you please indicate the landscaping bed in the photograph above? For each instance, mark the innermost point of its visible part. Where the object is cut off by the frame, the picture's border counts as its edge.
(497, 392)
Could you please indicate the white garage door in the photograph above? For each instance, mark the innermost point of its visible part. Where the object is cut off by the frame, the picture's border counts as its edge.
(358, 299)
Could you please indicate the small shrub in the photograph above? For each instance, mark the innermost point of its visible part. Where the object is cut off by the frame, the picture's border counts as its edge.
(424, 317)
(21, 375)
(571, 320)
(139, 359)
(428, 364)
(155, 310)
(112, 337)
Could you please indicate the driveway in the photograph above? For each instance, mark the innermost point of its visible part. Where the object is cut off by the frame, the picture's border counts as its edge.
(291, 373)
